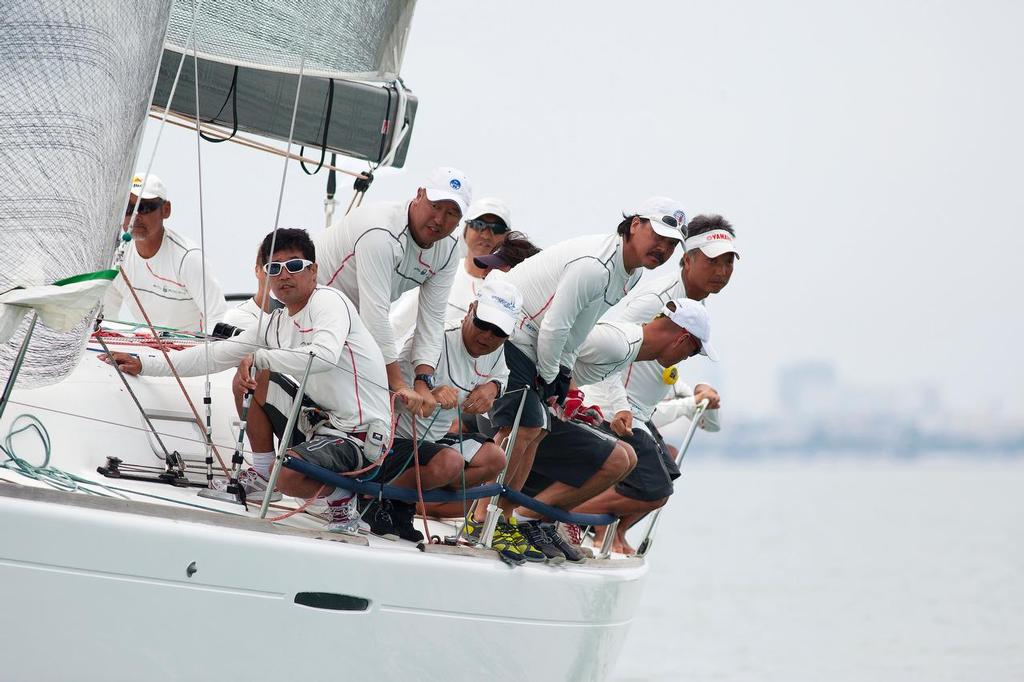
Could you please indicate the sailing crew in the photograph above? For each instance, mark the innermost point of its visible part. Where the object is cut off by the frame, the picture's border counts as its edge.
(167, 271)
(346, 413)
(566, 288)
(246, 314)
(469, 375)
(575, 462)
(485, 225)
(379, 251)
(705, 268)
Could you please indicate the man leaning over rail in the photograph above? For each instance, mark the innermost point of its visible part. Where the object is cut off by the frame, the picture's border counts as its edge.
(346, 412)
(165, 269)
(571, 470)
(566, 288)
(705, 269)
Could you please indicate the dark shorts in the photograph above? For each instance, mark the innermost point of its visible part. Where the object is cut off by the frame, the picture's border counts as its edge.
(339, 453)
(522, 375)
(400, 458)
(571, 453)
(649, 480)
(670, 464)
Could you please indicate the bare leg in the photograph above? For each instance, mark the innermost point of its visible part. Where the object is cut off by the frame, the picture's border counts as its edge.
(484, 468)
(442, 469)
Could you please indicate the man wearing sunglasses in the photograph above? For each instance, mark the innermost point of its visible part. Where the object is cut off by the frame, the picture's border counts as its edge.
(576, 463)
(566, 288)
(379, 251)
(705, 268)
(166, 270)
(470, 373)
(485, 225)
(344, 424)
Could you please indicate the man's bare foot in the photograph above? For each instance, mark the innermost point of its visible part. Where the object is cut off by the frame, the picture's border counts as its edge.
(622, 546)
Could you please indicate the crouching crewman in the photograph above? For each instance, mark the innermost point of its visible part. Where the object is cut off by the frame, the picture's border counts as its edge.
(469, 374)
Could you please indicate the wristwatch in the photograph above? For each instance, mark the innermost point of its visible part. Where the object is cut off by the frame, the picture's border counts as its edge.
(427, 379)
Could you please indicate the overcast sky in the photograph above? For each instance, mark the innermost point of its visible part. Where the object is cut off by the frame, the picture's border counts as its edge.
(868, 154)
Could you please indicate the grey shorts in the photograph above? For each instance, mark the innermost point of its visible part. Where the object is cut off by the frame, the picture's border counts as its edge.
(339, 453)
(522, 377)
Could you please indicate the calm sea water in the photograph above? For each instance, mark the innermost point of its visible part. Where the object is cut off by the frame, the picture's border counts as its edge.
(836, 570)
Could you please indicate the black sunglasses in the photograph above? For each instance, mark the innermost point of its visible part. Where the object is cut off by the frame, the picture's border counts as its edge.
(497, 227)
(488, 327)
(668, 220)
(145, 206)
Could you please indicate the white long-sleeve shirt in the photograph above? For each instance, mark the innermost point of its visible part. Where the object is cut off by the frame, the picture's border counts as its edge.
(347, 378)
(463, 292)
(371, 257)
(169, 285)
(244, 315)
(610, 348)
(455, 368)
(684, 405)
(643, 381)
(566, 288)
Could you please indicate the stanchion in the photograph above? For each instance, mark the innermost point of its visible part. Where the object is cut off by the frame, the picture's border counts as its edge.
(645, 545)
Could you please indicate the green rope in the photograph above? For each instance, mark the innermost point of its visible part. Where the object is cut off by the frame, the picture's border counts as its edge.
(44, 473)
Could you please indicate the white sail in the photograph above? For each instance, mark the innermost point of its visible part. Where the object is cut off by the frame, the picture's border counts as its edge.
(75, 85)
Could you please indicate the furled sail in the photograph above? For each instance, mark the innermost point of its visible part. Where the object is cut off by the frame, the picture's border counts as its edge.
(75, 83)
(250, 54)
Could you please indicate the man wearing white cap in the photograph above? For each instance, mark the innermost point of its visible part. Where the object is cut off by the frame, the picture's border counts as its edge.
(566, 288)
(576, 462)
(470, 373)
(379, 251)
(486, 223)
(165, 269)
(705, 268)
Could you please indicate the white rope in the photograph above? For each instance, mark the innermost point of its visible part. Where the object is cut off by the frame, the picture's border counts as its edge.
(284, 172)
(205, 323)
(119, 254)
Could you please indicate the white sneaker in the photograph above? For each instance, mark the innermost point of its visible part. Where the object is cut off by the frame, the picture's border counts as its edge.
(252, 482)
(343, 516)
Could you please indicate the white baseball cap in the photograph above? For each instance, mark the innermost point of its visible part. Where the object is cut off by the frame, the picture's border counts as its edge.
(713, 243)
(445, 182)
(490, 205)
(499, 302)
(666, 215)
(153, 189)
(693, 317)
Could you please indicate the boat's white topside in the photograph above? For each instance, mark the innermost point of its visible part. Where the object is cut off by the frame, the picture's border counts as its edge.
(120, 569)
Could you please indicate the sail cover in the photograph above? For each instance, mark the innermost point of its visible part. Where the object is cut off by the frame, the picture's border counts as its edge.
(251, 52)
(75, 83)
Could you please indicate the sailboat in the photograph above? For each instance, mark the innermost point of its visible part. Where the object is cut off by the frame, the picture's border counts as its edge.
(112, 566)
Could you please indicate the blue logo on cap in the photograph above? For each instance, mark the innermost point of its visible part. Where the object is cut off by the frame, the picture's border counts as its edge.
(454, 184)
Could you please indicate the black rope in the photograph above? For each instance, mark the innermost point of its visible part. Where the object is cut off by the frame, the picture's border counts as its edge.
(233, 96)
(383, 130)
(323, 142)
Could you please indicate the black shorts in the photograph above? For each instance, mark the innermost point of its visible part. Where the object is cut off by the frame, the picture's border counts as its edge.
(339, 453)
(571, 453)
(670, 463)
(649, 480)
(522, 375)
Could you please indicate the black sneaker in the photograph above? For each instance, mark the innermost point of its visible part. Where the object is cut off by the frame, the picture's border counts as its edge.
(536, 536)
(571, 553)
(403, 513)
(382, 523)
